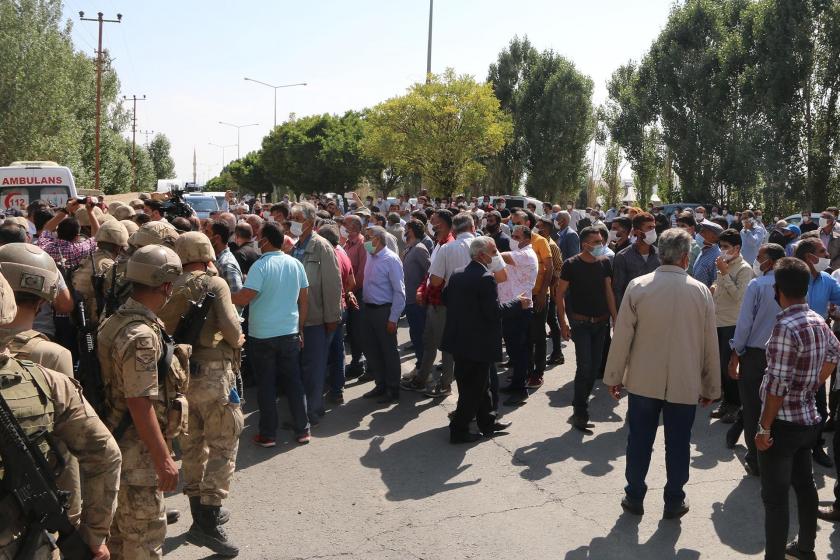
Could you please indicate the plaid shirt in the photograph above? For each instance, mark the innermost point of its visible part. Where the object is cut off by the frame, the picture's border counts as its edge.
(799, 346)
(73, 252)
(229, 270)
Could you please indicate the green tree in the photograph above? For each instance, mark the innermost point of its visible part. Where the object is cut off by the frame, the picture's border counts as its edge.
(611, 175)
(315, 154)
(162, 161)
(248, 174)
(444, 131)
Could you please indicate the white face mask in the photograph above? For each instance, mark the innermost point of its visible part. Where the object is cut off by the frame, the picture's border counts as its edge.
(650, 237)
(296, 228)
(729, 255)
(430, 229)
(344, 233)
(824, 222)
(757, 268)
(822, 264)
(496, 263)
(613, 236)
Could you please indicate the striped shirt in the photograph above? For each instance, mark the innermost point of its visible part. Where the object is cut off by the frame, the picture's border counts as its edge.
(800, 344)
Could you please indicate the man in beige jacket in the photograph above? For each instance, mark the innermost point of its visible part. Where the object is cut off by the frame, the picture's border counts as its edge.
(666, 369)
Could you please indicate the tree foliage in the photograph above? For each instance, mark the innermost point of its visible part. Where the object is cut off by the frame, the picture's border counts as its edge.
(550, 103)
(745, 94)
(320, 153)
(442, 130)
(162, 162)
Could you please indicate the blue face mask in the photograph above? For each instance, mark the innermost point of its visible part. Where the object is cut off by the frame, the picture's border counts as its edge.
(598, 251)
(699, 239)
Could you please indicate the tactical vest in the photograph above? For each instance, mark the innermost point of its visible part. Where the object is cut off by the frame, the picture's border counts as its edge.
(83, 281)
(26, 391)
(171, 406)
(23, 343)
(187, 289)
(117, 288)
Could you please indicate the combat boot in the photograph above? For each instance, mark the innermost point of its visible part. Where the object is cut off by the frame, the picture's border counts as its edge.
(195, 503)
(207, 531)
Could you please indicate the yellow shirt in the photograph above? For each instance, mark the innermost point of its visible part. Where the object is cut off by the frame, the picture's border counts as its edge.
(541, 248)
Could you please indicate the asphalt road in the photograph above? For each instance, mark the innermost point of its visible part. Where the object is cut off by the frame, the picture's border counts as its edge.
(384, 483)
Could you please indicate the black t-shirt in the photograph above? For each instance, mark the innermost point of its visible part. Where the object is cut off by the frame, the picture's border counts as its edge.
(586, 294)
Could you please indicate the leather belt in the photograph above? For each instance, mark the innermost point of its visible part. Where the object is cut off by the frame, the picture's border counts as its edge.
(377, 305)
(588, 319)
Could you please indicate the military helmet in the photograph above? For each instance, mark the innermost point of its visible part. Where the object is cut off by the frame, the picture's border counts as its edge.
(130, 226)
(123, 212)
(29, 269)
(114, 232)
(154, 233)
(114, 205)
(194, 246)
(81, 215)
(153, 265)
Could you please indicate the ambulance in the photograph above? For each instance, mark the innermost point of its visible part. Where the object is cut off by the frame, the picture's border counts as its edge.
(25, 181)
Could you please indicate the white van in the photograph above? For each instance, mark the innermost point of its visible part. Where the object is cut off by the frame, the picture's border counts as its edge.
(25, 181)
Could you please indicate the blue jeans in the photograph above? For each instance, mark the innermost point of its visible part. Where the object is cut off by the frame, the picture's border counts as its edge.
(516, 326)
(589, 351)
(416, 317)
(277, 361)
(335, 362)
(313, 366)
(643, 422)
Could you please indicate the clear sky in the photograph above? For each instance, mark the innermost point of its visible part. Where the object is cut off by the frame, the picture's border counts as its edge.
(189, 57)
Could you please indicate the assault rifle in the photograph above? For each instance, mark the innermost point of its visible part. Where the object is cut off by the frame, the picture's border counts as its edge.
(89, 373)
(28, 478)
(190, 325)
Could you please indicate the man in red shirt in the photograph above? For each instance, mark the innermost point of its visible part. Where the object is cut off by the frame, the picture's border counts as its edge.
(351, 230)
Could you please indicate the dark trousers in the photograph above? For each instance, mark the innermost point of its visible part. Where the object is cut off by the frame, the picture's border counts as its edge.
(589, 351)
(277, 361)
(752, 366)
(554, 329)
(416, 317)
(516, 323)
(356, 330)
(727, 384)
(536, 343)
(836, 445)
(822, 408)
(383, 358)
(335, 361)
(474, 399)
(604, 354)
(494, 386)
(788, 463)
(313, 366)
(643, 422)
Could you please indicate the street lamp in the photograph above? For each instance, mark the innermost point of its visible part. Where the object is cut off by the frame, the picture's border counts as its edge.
(275, 88)
(223, 150)
(238, 127)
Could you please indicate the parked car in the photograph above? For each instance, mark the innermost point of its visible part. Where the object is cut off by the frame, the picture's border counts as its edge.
(796, 219)
(669, 209)
(515, 201)
(220, 199)
(202, 204)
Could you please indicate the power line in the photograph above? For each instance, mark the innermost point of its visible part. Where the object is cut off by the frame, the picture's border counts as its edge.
(134, 99)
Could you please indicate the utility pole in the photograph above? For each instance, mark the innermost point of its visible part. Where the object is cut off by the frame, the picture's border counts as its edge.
(429, 49)
(146, 133)
(100, 20)
(134, 99)
(275, 88)
(238, 127)
(223, 150)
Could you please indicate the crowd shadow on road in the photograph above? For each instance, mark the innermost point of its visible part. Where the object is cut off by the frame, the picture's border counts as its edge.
(736, 521)
(597, 452)
(418, 467)
(622, 543)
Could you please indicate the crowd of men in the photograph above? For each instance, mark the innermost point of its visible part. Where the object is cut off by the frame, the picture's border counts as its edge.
(158, 319)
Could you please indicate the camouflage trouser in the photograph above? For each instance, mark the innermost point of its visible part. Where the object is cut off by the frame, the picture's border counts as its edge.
(139, 526)
(208, 451)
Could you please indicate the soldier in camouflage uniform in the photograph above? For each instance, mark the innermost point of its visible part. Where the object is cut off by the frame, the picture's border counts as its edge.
(142, 380)
(116, 288)
(33, 276)
(43, 399)
(209, 450)
(111, 239)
